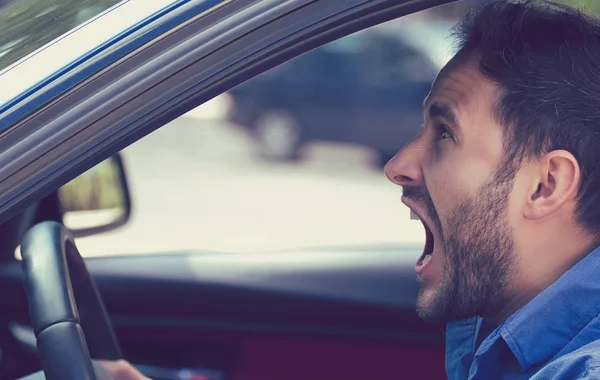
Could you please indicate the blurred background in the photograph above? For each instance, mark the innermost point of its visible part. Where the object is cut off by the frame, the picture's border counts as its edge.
(290, 159)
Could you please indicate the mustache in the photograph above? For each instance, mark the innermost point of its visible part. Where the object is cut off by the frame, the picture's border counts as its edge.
(420, 195)
(416, 194)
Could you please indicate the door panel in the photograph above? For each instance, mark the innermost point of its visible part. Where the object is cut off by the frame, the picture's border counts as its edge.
(250, 356)
(282, 318)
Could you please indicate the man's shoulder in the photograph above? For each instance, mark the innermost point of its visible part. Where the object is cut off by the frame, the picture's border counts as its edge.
(582, 363)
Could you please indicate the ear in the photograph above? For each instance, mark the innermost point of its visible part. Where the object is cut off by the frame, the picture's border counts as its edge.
(557, 183)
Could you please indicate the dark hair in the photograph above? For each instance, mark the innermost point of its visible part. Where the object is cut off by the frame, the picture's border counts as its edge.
(545, 57)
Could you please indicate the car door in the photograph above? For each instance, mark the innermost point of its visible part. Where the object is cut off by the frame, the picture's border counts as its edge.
(174, 310)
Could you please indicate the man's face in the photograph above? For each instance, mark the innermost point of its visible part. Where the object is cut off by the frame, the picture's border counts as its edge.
(455, 179)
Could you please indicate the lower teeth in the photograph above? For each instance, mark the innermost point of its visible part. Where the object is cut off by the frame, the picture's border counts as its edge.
(426, 259)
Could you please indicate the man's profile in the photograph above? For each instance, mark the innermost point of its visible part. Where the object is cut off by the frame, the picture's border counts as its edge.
(505, 177)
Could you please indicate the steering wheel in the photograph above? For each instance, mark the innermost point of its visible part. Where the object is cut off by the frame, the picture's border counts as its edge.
(67, 313)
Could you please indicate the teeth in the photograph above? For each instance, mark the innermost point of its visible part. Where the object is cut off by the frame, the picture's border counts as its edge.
(426, 259)
(414, 216)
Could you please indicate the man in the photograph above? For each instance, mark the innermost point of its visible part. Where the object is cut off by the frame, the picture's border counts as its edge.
(505, 177)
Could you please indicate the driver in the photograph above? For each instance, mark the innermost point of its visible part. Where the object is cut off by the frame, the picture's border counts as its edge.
(505, 177)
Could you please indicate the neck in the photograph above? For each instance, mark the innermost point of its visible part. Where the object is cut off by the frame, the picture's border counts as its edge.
(547, 263)
(514, 302)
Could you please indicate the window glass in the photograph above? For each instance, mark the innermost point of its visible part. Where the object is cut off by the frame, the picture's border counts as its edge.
(293, 158)
(26, 25)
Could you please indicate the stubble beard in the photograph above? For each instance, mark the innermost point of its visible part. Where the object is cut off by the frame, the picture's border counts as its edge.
(479, 256)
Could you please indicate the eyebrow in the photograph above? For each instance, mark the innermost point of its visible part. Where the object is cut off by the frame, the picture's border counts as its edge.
(442, 110)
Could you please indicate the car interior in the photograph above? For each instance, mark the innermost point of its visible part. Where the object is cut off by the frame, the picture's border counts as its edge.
(318, 313)
(343, 312)
(322, 314)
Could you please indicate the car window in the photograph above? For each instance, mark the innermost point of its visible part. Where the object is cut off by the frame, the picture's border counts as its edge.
(282, 164)
(255, 171)
(26, 25)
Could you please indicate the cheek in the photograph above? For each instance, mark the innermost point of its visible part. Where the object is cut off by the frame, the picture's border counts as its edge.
(457, 172)
(522, 192)
(454, 181)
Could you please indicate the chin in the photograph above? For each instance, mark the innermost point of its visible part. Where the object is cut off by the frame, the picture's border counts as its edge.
(435, 305)
(429, 306)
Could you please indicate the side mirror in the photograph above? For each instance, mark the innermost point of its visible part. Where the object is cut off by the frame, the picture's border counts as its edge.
(98, 200)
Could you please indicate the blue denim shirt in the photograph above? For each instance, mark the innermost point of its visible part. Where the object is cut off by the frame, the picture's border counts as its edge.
(555, 336)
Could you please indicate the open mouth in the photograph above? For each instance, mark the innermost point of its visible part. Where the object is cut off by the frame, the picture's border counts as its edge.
(429, 243)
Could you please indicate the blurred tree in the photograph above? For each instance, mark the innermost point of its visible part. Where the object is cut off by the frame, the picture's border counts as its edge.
(592, 6)
(26, 25)
(457, 10)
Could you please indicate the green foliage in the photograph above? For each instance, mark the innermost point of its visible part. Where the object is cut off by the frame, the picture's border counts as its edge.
(26, 25)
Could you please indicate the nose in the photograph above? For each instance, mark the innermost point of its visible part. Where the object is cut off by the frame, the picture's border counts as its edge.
(405, 168)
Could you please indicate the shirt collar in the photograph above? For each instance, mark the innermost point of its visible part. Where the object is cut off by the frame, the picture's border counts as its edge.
(538, 331)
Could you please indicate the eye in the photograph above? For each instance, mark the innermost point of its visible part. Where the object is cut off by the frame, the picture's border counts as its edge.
(443, 133)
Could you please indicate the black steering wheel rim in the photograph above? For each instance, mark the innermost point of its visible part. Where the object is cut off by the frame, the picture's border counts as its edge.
(66, 311)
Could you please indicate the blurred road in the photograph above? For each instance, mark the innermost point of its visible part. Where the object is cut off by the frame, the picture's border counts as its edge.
(196, 184)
